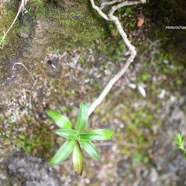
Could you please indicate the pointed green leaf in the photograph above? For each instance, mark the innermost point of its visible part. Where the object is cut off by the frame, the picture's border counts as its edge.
(63, 152)
(60, 120)
(67, 133)
(180, 141)
(77, 159)
(82, 117)
(99, 134)
(88, 137)
(90, 149)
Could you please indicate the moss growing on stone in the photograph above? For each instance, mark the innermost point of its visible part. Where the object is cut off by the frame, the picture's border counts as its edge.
(71, 26)
(11, 41)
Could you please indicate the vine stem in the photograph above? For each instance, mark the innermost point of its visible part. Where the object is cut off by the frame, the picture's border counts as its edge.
(18, 63)
(21, 8)
(117, 23)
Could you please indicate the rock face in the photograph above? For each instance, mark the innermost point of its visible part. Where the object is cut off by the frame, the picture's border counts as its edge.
(66, 76)
(31, 171)
(181, 4)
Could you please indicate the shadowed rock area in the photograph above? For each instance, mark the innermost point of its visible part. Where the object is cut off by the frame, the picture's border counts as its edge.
(28, 170)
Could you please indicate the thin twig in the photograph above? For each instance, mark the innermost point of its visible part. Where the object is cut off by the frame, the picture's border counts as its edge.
(18, 63)
(109, 3)
(115, 20)
(120, 5)
(99, 10)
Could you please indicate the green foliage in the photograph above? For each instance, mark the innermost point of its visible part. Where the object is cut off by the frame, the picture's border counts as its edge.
(144, 77)
(115, 50)
(126, 9)
(77, 138)
(82, 118)
(76, 25)
(77, 159)
(98, 134)
(137, 136)
(162, 35)
(35, 139)
(90, 149)
(60, 120)
(67, 133)
(63, 152)
(11, 40)
(180, 143)
(38, 3)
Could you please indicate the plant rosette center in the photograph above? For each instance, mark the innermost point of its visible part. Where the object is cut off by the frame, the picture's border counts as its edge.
(77, 138)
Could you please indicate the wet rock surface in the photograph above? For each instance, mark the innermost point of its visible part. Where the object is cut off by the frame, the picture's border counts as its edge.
(146, 108)
(28, 170)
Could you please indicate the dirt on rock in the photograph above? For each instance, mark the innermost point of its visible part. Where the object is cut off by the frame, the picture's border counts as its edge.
(51, 68)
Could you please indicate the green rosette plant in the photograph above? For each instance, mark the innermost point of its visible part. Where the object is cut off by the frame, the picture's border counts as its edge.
(180, 143)
(78, 138)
